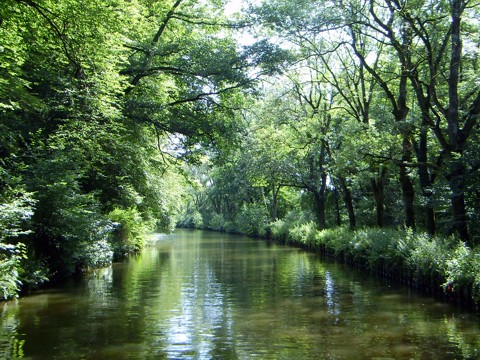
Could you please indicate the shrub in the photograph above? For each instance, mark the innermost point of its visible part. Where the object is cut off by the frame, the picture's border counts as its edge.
(463, 271)
(98, 254)
(10, 261)
(191, 218)
(424, 259)
(230, 227)
(428, 256)
(96, 250)
(217, 222)
(33, 271)
(252, 219)
(197, 220)
(129, 230)
(304, 234)
(281, 229)
(15, 210)
(336, 241)
(376, 246)
(67, 222)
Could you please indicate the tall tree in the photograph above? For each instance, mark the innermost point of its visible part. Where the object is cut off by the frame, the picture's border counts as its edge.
(99, 99)
(448, 107)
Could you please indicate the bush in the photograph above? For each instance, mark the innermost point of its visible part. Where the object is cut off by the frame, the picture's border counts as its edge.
(463, 272)
(191, 218)
(335, 241)
(129, 232)
(217, 222)
(66, 221)
(98, 254)
(16, 209)
(303, 234)
(428, 256)
(10, 261)
(33, 271)
(252, 219)
(281, 229)
(377, 247)
(197, 220)
(96, 250)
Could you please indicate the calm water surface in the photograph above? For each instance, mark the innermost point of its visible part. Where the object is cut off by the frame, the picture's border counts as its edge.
(202, 295)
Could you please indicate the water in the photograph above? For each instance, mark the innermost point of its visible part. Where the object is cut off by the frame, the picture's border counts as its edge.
(202, 295)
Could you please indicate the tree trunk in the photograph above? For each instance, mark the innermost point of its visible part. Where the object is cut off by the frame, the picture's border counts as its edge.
(407, 186)
(337, 207)
(378, 187)
(426, 178)
(320, 200)
(400, 114)
(456, 138)
(379, 203)
(347, 198)
(408, 197)
(456, 180)
(426, 181)
(275, 191)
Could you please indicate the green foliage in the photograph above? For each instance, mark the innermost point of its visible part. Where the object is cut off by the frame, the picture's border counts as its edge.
(11, 257)
(217, 222)
(197, 220)
(463, 271)
(130, 230)
(67, 222)
(101, 101)
(279, 230)
(16, 209)
(34, 272)
(14, 212)
(428, 256)
(303, 233)
(252, 219)
(283, 229)
(191, 218)
(97, 254)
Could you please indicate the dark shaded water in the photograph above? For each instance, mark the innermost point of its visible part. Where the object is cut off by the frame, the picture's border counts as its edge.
(202, 295)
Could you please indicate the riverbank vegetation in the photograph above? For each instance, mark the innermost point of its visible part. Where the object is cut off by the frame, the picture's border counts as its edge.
(99, 103)
(437, 265)
(349, 127)
(366, 146)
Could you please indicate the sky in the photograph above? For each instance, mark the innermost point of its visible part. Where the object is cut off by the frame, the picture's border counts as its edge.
(233, 6)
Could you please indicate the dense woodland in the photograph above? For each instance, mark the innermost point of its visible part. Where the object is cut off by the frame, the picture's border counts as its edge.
(347, 125)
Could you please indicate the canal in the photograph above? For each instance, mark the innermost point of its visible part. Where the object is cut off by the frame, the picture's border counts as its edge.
(205, 295)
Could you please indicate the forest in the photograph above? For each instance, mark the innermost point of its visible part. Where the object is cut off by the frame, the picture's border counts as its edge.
(346, 126)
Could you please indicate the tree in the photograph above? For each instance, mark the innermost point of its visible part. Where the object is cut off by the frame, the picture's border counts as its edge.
(419, 47)
(449, 107)
(100, 103)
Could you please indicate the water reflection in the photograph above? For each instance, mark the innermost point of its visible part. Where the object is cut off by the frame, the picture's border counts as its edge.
(212, 296)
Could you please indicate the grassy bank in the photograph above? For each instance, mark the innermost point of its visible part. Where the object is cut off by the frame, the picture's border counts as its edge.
(435, 264)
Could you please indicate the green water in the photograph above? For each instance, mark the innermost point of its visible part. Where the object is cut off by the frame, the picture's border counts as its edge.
(202, 295)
